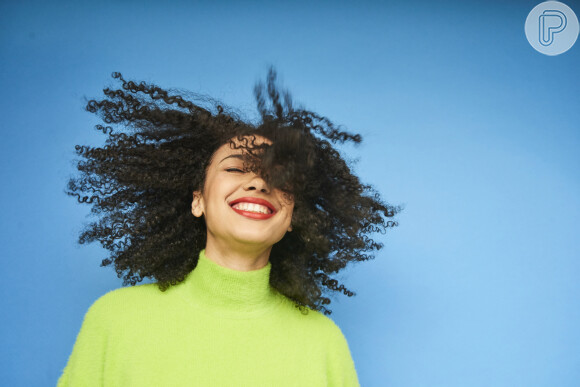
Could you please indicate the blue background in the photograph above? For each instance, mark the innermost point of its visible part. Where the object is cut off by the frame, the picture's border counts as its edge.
(463, 122)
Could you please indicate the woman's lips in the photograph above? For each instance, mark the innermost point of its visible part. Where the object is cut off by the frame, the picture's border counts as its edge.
(252, 214)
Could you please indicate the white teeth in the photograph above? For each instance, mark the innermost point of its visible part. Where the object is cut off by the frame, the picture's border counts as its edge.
(252, 207)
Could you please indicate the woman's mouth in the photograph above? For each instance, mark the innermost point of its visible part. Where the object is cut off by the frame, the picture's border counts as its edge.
(254, 208)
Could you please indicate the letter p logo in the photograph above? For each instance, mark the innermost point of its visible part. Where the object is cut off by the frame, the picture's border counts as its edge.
(552, 28)
(551, 22)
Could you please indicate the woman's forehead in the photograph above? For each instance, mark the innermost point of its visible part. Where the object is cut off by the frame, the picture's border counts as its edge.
(250, 140)
(238, 146)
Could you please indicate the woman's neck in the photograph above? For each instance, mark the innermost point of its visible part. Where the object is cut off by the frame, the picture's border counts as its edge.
(237, 256)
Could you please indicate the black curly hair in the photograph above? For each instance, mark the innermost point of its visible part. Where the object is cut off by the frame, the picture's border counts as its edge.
(140, 185)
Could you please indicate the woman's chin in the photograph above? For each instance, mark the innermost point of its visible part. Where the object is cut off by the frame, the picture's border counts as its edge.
(252, 238)
(253, 241)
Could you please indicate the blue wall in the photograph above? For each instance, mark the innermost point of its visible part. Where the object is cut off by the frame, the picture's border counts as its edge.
(462, 120)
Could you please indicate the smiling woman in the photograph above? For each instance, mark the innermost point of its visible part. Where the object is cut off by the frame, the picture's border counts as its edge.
(242, 212)
(240, 284)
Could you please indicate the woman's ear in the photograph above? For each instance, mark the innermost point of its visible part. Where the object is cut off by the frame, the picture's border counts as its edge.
(197, 204)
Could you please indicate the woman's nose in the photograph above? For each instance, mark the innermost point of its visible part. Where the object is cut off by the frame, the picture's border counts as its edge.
(257, 183)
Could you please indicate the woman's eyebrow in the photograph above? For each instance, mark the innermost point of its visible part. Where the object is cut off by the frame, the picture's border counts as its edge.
(237, 156)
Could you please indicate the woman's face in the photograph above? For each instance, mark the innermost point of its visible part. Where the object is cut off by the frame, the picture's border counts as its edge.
(240, 209)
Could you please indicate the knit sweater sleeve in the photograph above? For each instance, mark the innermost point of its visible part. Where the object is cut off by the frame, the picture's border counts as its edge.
(341, 369)
(86, 362)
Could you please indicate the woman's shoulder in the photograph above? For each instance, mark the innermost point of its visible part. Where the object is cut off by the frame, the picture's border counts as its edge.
(127, 300)
(312, 320)
(128, 294)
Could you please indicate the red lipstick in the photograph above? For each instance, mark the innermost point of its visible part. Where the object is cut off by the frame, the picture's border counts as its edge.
(254, 200)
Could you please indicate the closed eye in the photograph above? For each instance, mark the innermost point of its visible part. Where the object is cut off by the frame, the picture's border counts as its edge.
(234, 170)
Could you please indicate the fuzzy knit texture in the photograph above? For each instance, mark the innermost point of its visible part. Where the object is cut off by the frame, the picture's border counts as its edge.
(219, 327)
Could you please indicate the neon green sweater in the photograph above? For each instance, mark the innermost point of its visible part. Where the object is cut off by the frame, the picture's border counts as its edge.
(219, 327)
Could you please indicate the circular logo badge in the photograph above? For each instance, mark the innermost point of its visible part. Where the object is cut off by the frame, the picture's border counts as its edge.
(552, 28)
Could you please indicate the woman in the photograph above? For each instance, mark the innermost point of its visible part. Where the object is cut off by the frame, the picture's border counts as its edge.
(240, 284)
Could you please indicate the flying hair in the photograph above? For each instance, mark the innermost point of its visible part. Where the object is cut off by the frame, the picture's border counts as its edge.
(159, 143)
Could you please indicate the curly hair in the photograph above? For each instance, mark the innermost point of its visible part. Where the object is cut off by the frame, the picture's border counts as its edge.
(140, 186)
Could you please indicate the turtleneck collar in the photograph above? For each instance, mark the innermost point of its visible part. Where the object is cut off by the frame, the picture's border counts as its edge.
(230, 293)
